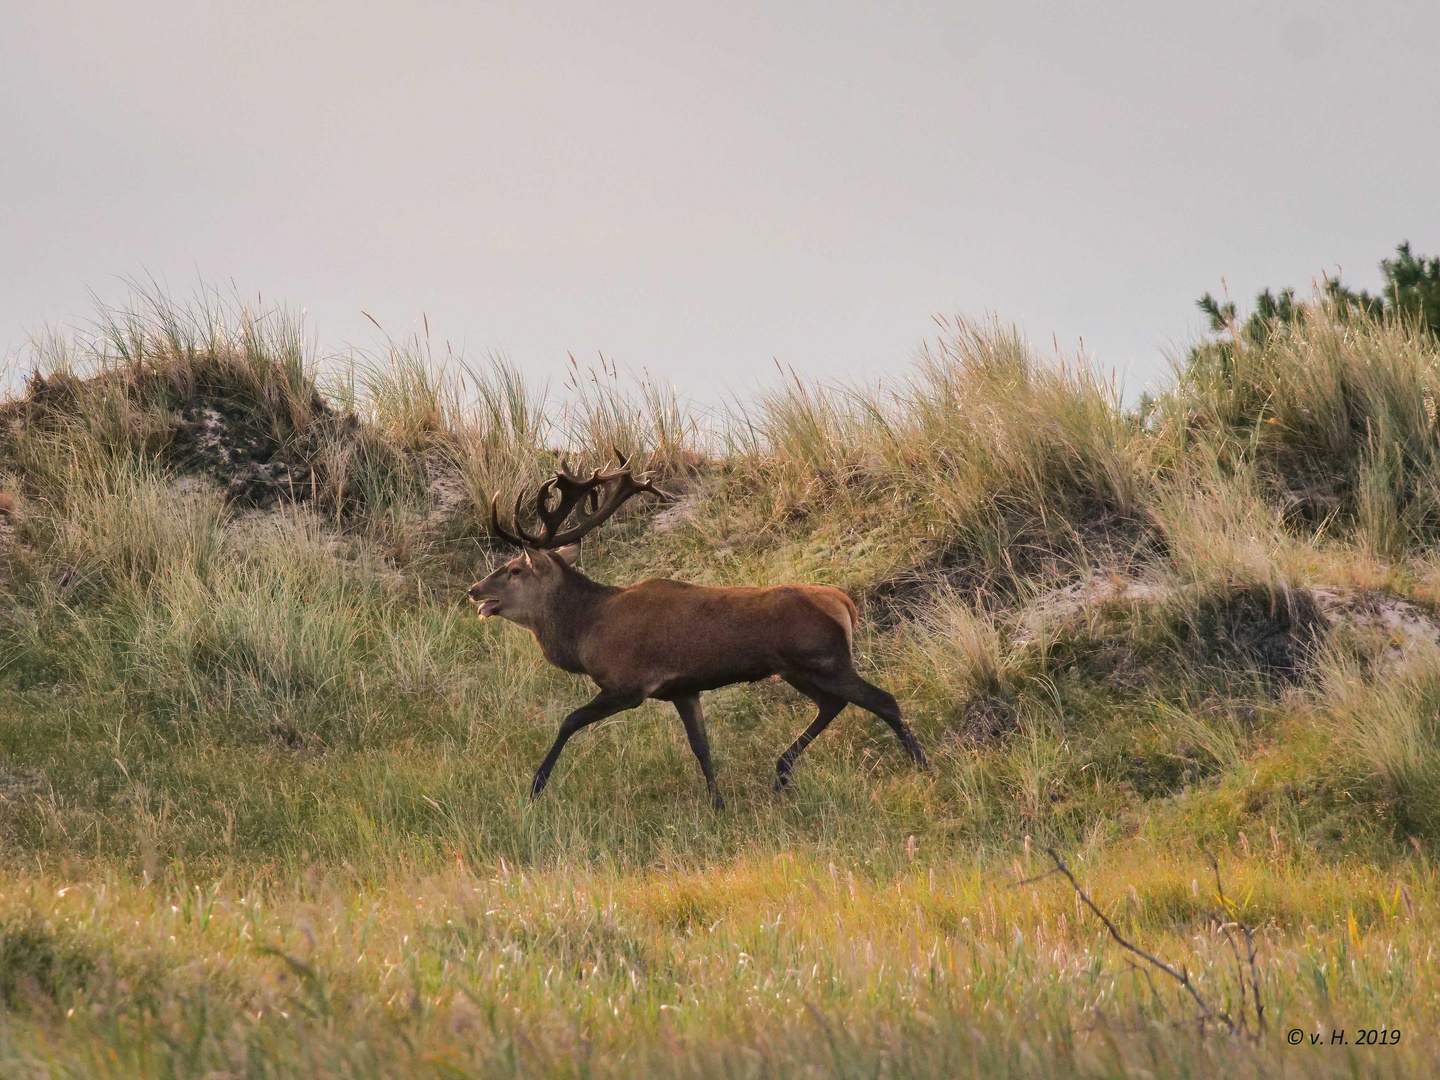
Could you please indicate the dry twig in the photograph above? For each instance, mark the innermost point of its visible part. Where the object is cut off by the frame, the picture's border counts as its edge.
(1181, 975)
(1226, 920)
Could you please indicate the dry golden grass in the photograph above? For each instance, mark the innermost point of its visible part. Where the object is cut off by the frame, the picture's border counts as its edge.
(263, 775)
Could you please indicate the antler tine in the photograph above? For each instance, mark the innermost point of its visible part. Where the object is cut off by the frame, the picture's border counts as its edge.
(525, 538)
(564, 471)
(593, 500)
(572, 489)
(623, 470)
(617, 487)
(550, 520)
(499, 530)
(620, 486)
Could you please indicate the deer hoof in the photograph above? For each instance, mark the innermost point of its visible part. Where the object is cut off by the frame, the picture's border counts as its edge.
(538, 785)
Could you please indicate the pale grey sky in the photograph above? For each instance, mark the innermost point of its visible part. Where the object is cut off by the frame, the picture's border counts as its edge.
(699, 188)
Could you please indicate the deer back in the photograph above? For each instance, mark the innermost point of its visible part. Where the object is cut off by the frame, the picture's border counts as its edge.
(663, 637)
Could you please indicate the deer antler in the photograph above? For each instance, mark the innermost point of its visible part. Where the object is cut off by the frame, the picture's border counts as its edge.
(598, 496)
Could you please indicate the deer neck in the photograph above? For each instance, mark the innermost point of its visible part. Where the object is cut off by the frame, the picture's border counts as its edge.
(568, 613)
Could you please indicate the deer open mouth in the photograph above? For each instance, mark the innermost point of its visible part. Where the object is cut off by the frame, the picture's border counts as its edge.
(488, 607)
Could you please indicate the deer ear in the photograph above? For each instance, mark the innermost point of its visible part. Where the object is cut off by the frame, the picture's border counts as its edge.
(569, 553)
(528, 560)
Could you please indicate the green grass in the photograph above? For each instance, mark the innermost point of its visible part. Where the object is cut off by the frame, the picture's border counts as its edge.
(263, 775)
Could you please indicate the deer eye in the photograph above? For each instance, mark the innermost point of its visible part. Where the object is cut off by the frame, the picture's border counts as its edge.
(514, 570)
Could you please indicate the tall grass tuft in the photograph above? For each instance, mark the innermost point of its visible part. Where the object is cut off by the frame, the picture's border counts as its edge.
(498, 442)
(253, 356)
(644, 420)
(986, 460)
(1390, 727)
(1337, 410)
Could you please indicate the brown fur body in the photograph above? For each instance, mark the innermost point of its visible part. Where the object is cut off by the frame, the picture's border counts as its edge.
(671, 640)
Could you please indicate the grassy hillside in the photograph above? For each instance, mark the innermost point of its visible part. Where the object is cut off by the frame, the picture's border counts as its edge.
(263, 775)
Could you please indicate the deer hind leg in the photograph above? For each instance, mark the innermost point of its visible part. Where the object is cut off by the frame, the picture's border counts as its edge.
(606, 703)
(694, 721)
(851, 687)
(829, 705)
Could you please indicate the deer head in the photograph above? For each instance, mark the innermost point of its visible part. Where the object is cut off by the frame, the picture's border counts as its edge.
(521, 588)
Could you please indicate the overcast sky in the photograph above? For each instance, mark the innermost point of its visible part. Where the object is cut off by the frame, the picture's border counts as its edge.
(699, 189)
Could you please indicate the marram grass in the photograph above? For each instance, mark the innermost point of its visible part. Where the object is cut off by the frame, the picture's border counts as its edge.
(263, 775)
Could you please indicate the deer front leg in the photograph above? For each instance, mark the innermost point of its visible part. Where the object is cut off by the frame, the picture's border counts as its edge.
(694, 721)
(606, 703)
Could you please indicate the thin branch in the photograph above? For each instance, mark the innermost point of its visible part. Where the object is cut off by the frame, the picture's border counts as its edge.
(1239, 970)
(1180, 975)
(1254, 976)
(1224, 923)
(1154, 990)
(1249, 932)
(1033, 880)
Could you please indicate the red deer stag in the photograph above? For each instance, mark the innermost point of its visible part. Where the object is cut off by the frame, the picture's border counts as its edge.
(668, 639)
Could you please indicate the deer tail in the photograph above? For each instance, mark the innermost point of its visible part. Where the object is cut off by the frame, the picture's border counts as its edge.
(854, 613)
